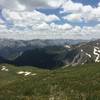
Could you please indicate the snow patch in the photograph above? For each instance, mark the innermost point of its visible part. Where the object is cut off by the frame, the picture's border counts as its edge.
(20, 72)
(81, 50)
(67, 46)
(26, 73)
(97, 53)
(4, 68)
(88, 55)
(34, 74)
(84, 62)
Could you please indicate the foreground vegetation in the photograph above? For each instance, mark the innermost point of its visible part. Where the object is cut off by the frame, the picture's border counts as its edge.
(68, 83)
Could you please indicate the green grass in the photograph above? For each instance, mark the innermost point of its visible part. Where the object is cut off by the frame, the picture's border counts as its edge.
(71, 83)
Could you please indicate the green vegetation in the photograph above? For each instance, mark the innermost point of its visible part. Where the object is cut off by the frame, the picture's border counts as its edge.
(71, 83)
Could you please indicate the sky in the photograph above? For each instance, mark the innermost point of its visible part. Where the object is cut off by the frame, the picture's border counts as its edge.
(50, 19)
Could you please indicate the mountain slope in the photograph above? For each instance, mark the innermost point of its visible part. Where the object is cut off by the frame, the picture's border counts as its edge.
(51, 54)
(55, 56)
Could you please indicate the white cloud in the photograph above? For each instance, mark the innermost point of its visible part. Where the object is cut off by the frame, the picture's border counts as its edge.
(28, 24)
(29, 4)
(70, 6)
(77, 29)
(99, 4)
(2, 27)
(1, 21)
(12, 4)
(74, 17)
(28, 20)
(56, 3)
(26, 15)
(43, 26)
(52, 31)
(50, 18)
(80, 12)
(61, 27)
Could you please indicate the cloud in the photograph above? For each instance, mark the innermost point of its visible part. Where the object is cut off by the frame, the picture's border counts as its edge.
(99, 4)
(27, 19)
(42, 26)
(25, 15)
(32, 24)
(1, 21)
(70, 6)
(73, 17)
(56, 3)
(51, 18)
(29, 4)
(61, 27)
(79, 12)
(12, 4)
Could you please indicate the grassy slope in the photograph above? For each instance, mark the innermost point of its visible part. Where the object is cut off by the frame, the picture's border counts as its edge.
(73, 83)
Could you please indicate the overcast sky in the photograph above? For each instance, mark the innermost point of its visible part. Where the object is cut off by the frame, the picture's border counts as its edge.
(49, 19)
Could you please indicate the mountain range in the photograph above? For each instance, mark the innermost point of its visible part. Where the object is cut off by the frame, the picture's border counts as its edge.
(49, 53)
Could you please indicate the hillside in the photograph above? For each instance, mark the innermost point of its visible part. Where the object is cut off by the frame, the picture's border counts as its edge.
(30, 83)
